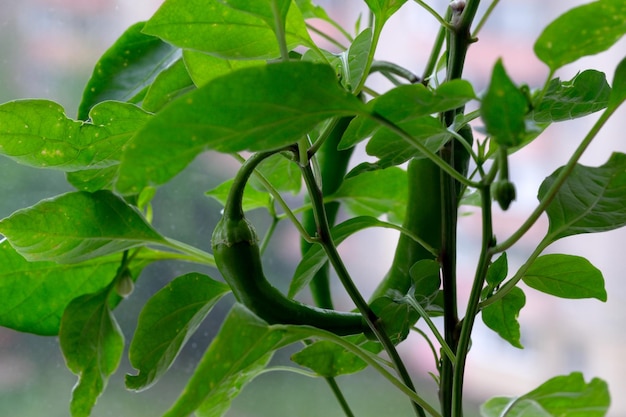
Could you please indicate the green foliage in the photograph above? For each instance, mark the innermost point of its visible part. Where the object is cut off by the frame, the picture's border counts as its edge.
(246, 79)
(564, 396)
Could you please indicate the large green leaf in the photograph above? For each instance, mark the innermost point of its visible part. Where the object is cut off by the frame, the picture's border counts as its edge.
(34, 294)
(215, 28)
(92, 344)
(39, 134)
(256, 108)
(240, 351)
(581, 31)
(501, 316)
(166, 322)
(561, 396)
(77, 226)
(592, 199)
(566, 276)
(504, 108)
(586, 93)
(272, 12)
(126, 69)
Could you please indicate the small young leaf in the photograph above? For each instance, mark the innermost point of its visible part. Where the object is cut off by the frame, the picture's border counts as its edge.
(169, 84)
(252, 198)
(204, 67)
(581, 31)
(561, 396)
(566, 276)
(92, 344)
(618, 93)
(586, 93)
(256, 108)
(166, 322)
(39, 134)
(282, 173)
(35, 294)
(374, 193)
(591, 199)
(384, 9)
(215, 28)
(397, 317)
(426, 280)
(126, 68)
(354, 60)
(501, 316)
(77, 226)
(504, 108)
(328, 359)
(408, 103)
(92, 180)
(315, 258)
(240, 351)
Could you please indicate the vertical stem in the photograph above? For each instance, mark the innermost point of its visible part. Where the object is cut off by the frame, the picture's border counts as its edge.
(459, 39)
(472, 306)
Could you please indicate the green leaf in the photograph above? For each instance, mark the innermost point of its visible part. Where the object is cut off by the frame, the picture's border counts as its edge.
(215, 28)
(561, 396)
(267, 10)
(256, 108)
(425, 275)
(618, 93)
(281, 172)
(312, 11)
(92, 344)
(354, 60)
(328, 359)
(92, 180)
(408, 103)
(126, 68)
(397, 317)
(586, 93)
(566, 276)
(35, 294)
(77, 226)
(504, 108)
(591, 200)
(252, 198)
(169, 84)
(393, 150)
(582, 31)
(241, 350)
(384, 9)
(204, 68)
(39, 134)
(315, 258)
(374, 193)
(166, 322)
(502, 315)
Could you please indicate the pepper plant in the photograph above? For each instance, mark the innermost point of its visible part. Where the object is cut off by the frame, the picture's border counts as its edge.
(246, 79)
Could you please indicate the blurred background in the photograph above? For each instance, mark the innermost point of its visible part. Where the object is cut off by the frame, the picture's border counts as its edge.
(48, 49)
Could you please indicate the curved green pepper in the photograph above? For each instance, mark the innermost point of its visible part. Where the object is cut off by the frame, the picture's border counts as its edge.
(238, 258)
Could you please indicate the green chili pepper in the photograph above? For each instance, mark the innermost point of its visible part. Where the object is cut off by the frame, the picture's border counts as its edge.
(423, 218)
(333, 165)
(237, 255)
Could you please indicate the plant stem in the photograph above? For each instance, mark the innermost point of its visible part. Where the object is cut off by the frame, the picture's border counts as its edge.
(325, 239)
(473, 302)
(340, 397)
(459, 39)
